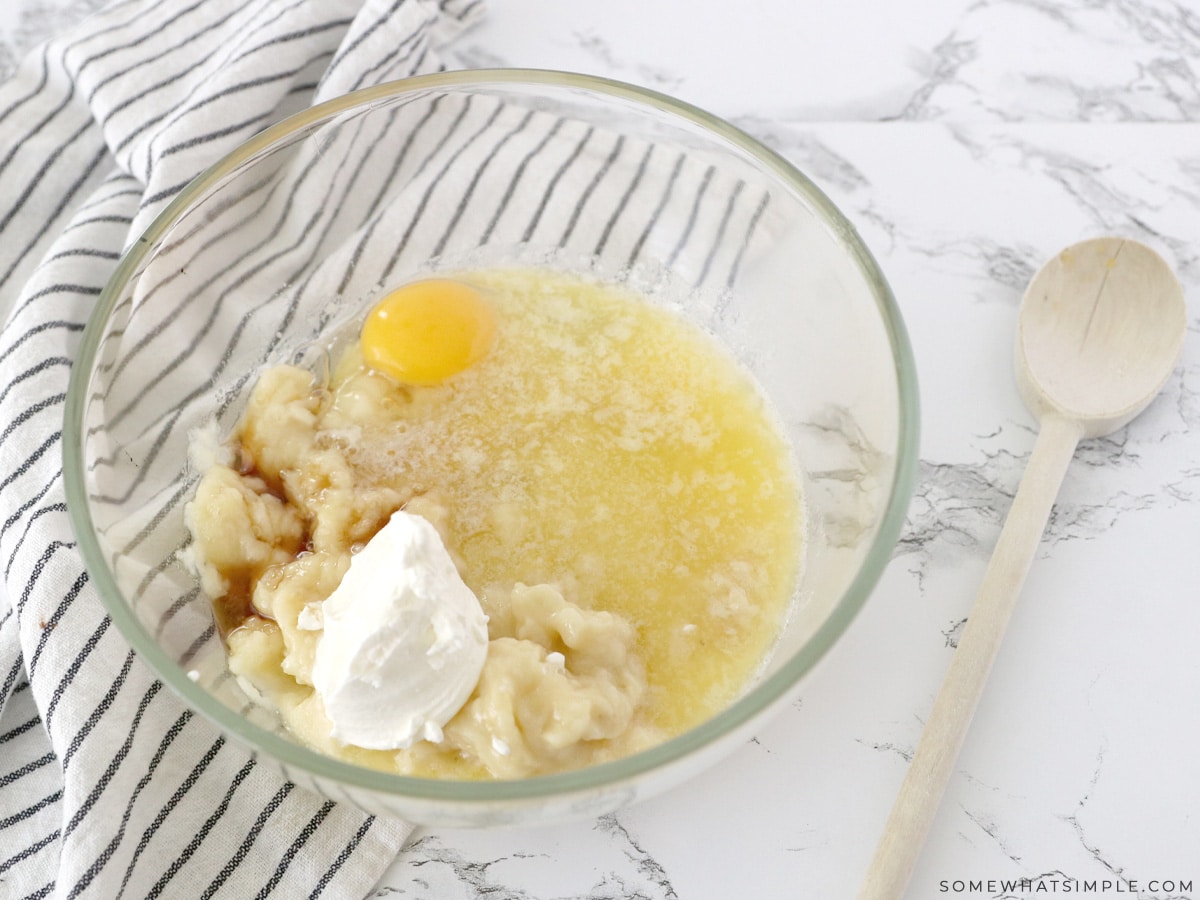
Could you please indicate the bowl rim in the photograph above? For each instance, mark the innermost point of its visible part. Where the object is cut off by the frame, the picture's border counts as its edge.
(602, 776)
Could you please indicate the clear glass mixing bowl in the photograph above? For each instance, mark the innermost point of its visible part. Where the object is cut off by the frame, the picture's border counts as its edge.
(300, 228)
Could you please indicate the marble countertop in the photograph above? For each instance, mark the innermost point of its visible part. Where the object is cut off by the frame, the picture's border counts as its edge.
(968, 143)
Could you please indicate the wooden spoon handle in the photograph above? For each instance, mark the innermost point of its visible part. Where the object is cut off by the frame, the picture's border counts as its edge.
(932, 764)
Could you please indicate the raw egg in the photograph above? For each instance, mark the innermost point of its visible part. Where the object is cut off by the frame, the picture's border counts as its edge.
(425, 332)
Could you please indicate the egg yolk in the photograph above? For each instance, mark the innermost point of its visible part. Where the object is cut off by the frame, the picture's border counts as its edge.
(426, 331)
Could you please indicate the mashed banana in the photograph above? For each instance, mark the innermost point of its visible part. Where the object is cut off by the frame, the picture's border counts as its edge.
(608, 482)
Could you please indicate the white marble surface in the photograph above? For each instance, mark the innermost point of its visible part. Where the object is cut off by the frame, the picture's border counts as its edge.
(968, 143)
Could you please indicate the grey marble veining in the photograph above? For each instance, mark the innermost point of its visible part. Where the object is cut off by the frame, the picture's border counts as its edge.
(864, 60)
(25, 24)
(967, 142)
(620, 869)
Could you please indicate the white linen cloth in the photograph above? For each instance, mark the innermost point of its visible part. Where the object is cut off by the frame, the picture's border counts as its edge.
(133, 796)
(109, 786)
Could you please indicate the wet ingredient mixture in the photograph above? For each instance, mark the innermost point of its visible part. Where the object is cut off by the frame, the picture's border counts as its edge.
(608, 482)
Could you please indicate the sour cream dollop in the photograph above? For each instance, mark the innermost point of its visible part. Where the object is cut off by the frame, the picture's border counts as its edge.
(404, 640)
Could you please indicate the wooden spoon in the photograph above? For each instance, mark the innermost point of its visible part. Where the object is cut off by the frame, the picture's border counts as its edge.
(1100, 329)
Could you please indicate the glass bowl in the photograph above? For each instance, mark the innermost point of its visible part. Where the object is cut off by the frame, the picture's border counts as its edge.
(261, 256)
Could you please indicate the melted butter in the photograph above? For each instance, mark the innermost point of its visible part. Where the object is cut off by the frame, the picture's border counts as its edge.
(608, 446)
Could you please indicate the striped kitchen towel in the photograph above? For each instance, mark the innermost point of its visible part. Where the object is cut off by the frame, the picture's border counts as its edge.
(109, 786)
